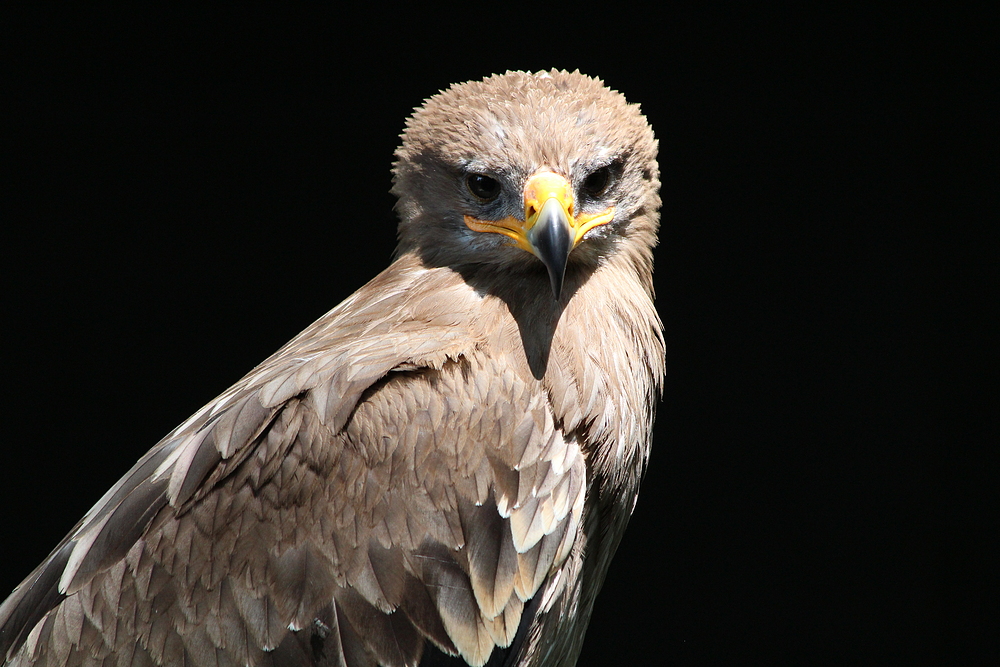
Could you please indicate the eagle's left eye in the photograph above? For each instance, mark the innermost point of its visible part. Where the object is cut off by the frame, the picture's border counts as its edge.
(597, 182)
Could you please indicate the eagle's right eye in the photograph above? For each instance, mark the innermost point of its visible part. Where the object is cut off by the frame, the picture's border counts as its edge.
(483, 187)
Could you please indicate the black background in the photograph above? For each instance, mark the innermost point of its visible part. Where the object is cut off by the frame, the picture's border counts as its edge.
(192, 188)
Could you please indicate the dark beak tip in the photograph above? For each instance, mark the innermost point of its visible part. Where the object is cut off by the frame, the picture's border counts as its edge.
(557, 284)
(552, 238)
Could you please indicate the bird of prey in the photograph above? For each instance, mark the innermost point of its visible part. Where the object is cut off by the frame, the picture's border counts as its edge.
(437, 471)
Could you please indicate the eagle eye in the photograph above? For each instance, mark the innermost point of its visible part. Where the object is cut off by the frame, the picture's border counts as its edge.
(483, 187)
(597, 181)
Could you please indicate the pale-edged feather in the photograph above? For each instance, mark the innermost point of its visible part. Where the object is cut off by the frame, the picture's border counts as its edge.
(451, 591)
(390, 638)
(107, 542)
(352, 646)
(492, 557)
(303, 582)
(422, 611)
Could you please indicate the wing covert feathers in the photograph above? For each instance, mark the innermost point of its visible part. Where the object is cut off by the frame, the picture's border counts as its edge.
(430, 509)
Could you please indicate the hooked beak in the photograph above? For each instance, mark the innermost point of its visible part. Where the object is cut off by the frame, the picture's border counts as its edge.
(550, 230)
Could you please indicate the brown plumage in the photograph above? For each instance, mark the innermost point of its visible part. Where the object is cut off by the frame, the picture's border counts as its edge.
(439, 470)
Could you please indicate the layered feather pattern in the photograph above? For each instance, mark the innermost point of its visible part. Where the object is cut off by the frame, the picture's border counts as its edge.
(438, 469)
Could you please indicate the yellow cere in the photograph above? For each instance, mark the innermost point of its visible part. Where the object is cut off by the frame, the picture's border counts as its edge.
(540, 188)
